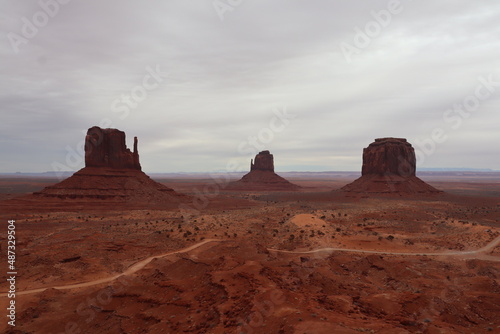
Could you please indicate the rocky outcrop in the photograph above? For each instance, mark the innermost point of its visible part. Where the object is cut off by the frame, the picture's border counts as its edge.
(389, 156)
(262, 176)
(107, 148)
(112, 175)
(264, 161)
(110, 184)
(389, 166)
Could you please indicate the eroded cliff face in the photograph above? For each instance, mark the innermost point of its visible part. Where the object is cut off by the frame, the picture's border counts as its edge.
(263, 161)
(386, 156)
(112, 175)
(389, 168)
(107, 148)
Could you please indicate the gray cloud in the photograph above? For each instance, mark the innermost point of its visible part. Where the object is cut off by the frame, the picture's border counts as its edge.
(225, 77)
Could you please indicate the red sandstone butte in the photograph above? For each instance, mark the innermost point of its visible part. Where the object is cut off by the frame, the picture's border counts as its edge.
(112, 174)
(264, 161)
(389, 166)
(107, 148)
(262, 176)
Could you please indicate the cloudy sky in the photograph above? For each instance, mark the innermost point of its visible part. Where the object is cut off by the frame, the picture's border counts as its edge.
(204, 83)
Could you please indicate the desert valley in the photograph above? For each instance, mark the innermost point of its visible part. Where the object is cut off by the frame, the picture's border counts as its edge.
(250, 167)
(110, 250)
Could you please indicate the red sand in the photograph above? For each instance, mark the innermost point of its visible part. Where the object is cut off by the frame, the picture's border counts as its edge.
(241, 285)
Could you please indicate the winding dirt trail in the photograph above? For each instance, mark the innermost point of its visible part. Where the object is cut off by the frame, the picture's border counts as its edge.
(141, 264)
(129, 271)
(490, 246)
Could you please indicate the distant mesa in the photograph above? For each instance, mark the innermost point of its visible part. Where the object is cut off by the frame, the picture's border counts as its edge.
(262, 176)
(112, 174)
(389, 166)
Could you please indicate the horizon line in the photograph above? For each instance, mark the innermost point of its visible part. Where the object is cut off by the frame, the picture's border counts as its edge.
(426, 169)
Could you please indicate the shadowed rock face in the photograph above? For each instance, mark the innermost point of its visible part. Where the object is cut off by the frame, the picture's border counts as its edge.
(263, 161)
(107, 148)
(389, 168)
(389, 156)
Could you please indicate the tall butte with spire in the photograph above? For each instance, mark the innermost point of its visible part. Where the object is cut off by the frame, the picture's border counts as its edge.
(112, 174)
(107, 148)
(389, 166)
(262, 176)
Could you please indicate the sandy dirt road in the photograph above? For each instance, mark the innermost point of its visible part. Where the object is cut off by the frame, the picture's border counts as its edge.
(490, 246)
(129, 271)
(141, 264)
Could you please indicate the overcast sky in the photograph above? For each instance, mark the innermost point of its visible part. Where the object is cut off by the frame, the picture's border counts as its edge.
(341, 72)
